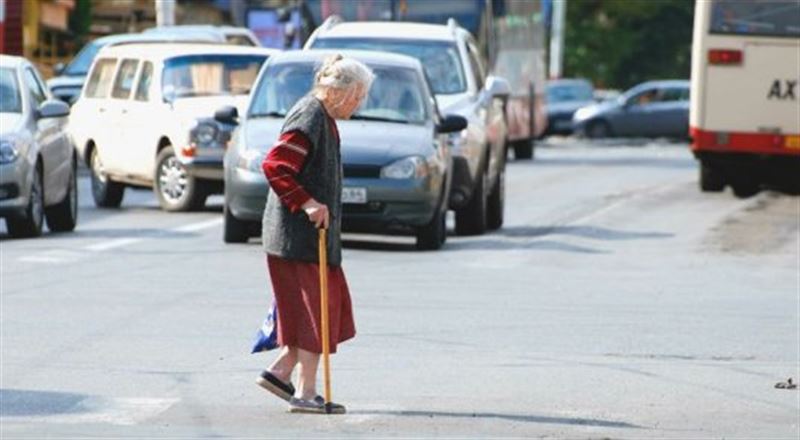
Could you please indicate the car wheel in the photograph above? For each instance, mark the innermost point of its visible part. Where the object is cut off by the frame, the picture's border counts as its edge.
(744, 187)
(175, 189)
(433, 235)
(496, 203)
(523, 149)
(235, 230)
(711, 177)
(471, 219)
(29, 223)
(105, 192)
(64, 216)
(598, 130)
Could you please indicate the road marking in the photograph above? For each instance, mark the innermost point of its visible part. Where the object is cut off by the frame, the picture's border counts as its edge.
(67, 256)
(106, 245)
(114, 411)
(199, 226)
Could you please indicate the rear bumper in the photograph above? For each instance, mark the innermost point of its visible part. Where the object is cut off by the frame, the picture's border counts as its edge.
(205, 168)
(748, 143)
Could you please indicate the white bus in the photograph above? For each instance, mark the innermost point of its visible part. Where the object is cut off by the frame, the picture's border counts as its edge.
(744, 118)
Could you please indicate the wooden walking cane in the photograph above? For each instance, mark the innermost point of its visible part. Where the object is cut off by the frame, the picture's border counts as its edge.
(323, 284)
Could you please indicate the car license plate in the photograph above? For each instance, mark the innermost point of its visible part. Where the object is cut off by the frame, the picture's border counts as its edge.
(354, 195)
(792, 142)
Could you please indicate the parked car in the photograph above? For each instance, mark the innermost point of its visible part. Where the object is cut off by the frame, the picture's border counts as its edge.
(395, 154)
(457, 75)
(564, 97)
(231, 34)
(38, 166)
(651, 109)
(133, 122)
(69, 79)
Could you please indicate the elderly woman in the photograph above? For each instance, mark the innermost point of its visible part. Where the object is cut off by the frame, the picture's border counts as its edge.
(304, 171)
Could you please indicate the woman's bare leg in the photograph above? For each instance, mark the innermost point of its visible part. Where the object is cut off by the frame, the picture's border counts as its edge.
(307, 382)
(283, 366)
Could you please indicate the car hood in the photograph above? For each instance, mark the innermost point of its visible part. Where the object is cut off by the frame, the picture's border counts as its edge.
(206, 106)
(66, 81)
(566, 107)
(10, 123)
(364, 142)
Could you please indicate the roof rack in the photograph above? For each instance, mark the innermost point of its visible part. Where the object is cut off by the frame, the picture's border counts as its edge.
(452, 24)
(170, 41)
(330, 22)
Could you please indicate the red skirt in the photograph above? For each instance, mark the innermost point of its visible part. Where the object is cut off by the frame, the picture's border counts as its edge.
(295, 285)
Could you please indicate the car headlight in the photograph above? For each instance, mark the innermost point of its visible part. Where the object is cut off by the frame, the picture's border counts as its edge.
(205, 133)
(8, 151)
(250, 160)
(414, 167)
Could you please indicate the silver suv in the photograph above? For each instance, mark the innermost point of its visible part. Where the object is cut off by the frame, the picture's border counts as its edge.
(458, 78)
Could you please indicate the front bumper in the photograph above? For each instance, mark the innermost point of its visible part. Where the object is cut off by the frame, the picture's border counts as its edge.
(14, 190)
(392, 205)
(208, 168)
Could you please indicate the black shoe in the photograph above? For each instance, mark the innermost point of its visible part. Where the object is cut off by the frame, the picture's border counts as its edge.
(269, 382)
(316, 405)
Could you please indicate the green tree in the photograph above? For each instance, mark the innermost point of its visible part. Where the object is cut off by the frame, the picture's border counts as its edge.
(619, 43)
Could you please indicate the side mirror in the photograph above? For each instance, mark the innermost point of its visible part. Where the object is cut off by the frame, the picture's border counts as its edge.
(227, 115)
(52, 109)
(451, 123)
(497, 87)
(58, 69)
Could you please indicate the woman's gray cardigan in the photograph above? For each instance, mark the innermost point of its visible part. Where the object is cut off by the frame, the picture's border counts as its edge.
(292, 235)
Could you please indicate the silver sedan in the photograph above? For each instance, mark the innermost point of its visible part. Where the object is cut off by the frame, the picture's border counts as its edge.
(37, 159)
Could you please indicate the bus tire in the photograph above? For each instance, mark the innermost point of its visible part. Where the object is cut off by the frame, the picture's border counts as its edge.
(744, 188)
(711, 177)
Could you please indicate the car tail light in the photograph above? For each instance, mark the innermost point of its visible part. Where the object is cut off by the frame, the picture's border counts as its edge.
(189, 151)
(725, 57)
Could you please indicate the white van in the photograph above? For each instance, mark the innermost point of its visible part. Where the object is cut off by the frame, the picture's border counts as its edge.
(140, 103)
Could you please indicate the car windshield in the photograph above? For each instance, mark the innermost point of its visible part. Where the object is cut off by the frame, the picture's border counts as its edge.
(569, 92)
(396, 94)
(79, 66)
(439, 58)
(9, 92)
(210, 75)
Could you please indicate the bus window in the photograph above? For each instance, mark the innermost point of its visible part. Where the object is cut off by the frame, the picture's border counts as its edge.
(775, 18)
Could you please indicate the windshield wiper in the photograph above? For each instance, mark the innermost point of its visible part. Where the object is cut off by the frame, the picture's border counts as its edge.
(268, 115)
(377, 118)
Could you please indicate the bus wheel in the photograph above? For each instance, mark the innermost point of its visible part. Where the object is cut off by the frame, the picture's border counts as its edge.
(711, 177)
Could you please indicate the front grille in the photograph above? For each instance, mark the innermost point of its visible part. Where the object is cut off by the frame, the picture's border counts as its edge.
(363, 171)
(367, 208)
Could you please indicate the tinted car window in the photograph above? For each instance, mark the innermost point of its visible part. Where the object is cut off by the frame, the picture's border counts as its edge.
(674, 94)
(210, 75)
(569, 92)
(100, 79)
(79, 66)
(34, 87)
(10, 101)
(440, 59)
(145, 79)
(396, 94)
(123, 84)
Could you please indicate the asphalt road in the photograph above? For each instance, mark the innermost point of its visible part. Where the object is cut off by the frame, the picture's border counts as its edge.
(617, 302)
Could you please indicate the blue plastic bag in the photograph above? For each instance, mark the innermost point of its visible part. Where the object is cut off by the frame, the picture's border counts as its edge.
(267, 335)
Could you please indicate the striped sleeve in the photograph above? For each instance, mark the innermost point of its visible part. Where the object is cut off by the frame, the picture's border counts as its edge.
(281, 166)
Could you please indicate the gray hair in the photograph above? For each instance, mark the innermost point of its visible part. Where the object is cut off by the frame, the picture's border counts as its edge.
(338, 72)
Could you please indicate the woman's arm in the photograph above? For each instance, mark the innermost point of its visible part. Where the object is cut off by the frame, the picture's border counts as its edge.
(282, 165)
